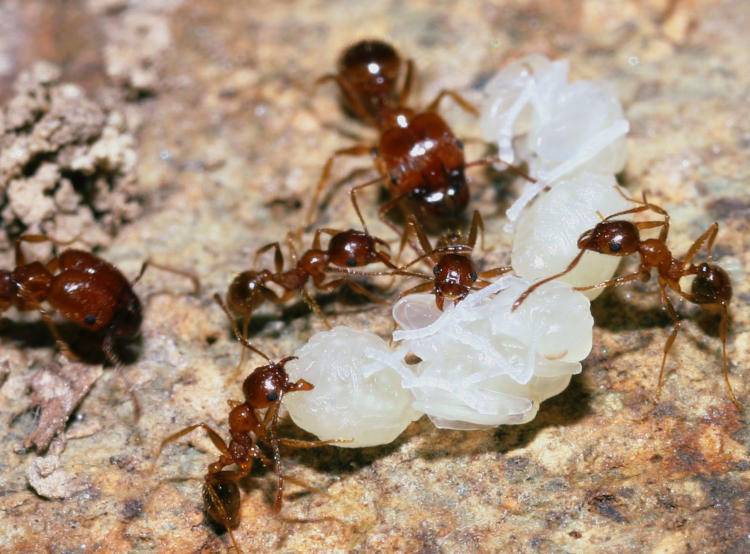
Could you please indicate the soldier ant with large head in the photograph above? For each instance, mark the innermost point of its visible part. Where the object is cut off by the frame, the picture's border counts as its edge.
(417, 153)
(249, 429)
(711, 288)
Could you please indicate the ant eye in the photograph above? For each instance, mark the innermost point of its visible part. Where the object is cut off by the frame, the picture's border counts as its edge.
(272, 397)
(473, 276)
(436, 270)
(351, 262)
(615, 246)
(460, 144)
(89, 320)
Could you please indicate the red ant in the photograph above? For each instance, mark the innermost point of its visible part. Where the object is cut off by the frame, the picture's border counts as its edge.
(454, 272)
(417, 152)
(83, 288)
(346, 250)
(263, 389)
(711, 287)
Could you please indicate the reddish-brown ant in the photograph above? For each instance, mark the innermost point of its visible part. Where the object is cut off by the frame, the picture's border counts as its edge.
(454, 272)
(79, 285)
(263, 389)
(417, 153)
(83, 288)
(346, 250)
(711, 287)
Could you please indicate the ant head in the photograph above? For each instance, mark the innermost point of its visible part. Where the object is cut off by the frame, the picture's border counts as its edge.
(352, 249)
(615, 238)
(245, 293)
(371, 67)
(221, 498)
(454, 276)
(711, 285)
(449, 199)
(268, 384)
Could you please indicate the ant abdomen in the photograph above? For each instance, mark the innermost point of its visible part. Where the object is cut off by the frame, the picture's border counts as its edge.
(711, 285)
(221, 499)
(244, 294)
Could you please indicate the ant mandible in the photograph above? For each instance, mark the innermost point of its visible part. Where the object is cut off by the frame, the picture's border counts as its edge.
(263, 389)
(79, 285)
(711, 287)
(417, 152)
(454, 271)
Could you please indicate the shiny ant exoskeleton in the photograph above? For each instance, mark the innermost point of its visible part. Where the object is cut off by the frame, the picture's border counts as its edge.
(711, 287)
(263, 389)
(79, 285)
(454, 273)
(417, 153)
(83, 288)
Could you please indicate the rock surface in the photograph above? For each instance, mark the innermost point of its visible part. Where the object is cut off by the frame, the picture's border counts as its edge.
(231, 143)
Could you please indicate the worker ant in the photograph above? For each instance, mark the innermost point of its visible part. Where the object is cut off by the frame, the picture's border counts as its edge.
(454, 272)
(711, 287)
(83, 288)
(346, 250)
(417, 152)
(263, 389)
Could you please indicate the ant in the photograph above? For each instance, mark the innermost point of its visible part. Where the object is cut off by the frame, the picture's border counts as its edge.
(454, 272)
(83, 288)
(711, 287)
(346, 250)
(417, 152)
(263, 389)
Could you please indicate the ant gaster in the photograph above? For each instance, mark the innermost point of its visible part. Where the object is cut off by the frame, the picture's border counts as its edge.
(263, 389)
(454, 272)
(711, 287)
(417, 152)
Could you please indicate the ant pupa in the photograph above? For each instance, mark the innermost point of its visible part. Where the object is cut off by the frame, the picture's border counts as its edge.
(417, 153)
(263, 389)
(454, 272)
(711, 288)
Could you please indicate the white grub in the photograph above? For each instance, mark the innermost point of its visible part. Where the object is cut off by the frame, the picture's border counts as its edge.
(483, 365)
(546, 235)
(358, 394)
(567, 127)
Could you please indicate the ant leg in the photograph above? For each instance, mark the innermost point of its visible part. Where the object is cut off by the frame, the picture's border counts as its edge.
(616, 282)
(314, 306)
(668, 345)
(458, 99)
(217, 504)
(353, 196)
(492, 273)
(495, 160)
(531, 289)
(424, 287)
(356, 287)
(356, 150)
(233, 323)
(310, 444)
(182, 272)
(477, 223)
(213, 435)
(710, 236)
(278, 257)
(320, 231)
(406, 88)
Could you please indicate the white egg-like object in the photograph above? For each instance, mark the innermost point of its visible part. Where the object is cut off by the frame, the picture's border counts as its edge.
(358, 393)
(545, 240)
(483, 365)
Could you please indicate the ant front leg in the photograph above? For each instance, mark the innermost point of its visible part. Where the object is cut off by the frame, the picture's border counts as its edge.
(432, 107)
(357, 150)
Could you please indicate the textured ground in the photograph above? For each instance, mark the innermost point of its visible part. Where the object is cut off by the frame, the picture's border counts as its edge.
(230, 141)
